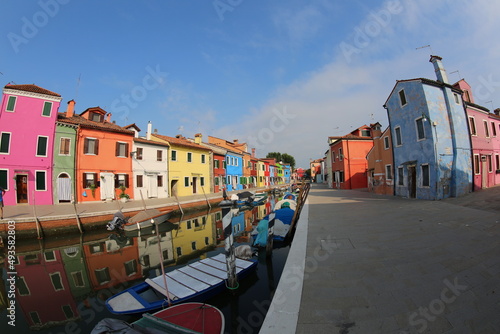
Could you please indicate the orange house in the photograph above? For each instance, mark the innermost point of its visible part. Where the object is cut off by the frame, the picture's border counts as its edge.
(380, 162)
(348, 155)
(103, 163)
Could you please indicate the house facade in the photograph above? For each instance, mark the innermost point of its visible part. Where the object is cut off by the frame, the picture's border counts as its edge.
(149, 165)
(64, 177)
(348, 156)
(103, 164)
(234, 170)
(380, 162)
(28, 116)
(431, 143)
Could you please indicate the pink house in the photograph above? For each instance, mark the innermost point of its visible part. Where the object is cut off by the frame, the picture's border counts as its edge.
(27, 125)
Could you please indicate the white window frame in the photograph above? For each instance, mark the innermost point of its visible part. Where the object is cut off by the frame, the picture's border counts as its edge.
(188, 179)
(203, 159)
(472, 124)
(120, 145)
(43, 108)
(45, 180)
(89, 139)
(7, 104)
(69, 146)
(422, 173)
(420, 119)
(396, 136)
(60, 279)
(486, 129)
(493, 129)
(388, 172)
(189, 157)
(476, 164)
(46, 146)
(387, 143)
(402, 90)
(401, 176)
(10, 141)
(173, 155)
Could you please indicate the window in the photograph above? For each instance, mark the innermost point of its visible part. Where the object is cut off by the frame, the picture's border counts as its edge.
(35, 318)
(96, 117)
(193, 245)
(139, 181)
(138, 153)
(64, 145)
(388, 172)
(457, 98)
(179, 251)
(490, 163)
(203, 158)
(41, 147)
(497, 162)
(397, 134)
(402, 97)
(401, 175)
(4, 176)
(130, 267)
(333, 156)
(173, 155)
(78, 279)
(5, 143)
(11, 103)
(91, 146)
(486, 129)
(493, 129)
(472, 125)
(189, 157)
(386, 143)
(89, 179)
(49, 256)
(216, 181)
(56, 281)
(365, 133)
(425, 175)
(159, 155)
(188, 225)
(47, 109)
(216, 164)
(96, 248)
(121, 180)
(477, 167)
(186, 181)
(68, 312)
(121, 150)
(40, 180)
(420, 128)
(341, 176)
(202, 181)
(102, 275)
(341, 156)
(159, 180)
(207, 241)
(22, 287)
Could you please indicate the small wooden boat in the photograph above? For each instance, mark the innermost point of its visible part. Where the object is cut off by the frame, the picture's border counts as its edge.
(182, 318)
(197, 281)
(146, 218)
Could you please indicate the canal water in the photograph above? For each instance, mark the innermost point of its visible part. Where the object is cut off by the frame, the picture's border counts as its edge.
(62, 283)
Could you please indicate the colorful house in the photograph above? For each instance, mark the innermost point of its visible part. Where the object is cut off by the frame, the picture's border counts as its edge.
(149, 165)
(218, 175)
(316, 170)
(261, 170)
(27, 125)
(485, 139)
(189, 166)
(253, 170)
(103, 163)
(234, 170)
(430, 137)
(64, 178)
(287, 173)
(380, 162)
(348, 155)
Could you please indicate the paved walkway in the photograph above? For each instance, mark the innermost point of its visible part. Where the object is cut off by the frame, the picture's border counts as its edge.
(383, 264)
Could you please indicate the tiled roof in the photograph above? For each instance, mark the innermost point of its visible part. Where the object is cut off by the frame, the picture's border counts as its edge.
(477, 106)
(180, 141)
(85, 123)
(150, 142)
(32, 89)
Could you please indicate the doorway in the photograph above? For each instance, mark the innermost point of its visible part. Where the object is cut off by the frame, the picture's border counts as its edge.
(173, 187)
(194, 184)
(412, 182)
(22, 188)
(64, 188)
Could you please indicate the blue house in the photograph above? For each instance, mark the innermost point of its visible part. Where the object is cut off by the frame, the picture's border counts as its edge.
(234, 170)
(287, 172)
(431, 143)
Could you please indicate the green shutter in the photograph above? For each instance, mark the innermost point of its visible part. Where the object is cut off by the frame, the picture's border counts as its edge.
(11, 103)
(40, 181)
(4, 143)
(47, 108)
(41, 149)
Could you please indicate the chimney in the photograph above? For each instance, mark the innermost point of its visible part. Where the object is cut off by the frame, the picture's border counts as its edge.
(70, 110)
(148, 131)
(235, 141)
(439, 69)
(253, 152)
(198, 138)
(497, 111)
(108, 117)
(155, 131)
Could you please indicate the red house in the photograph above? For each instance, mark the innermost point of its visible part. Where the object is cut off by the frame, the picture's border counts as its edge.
(348, 155)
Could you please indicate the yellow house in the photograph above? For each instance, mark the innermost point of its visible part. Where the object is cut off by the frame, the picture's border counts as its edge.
(261, 177)
(189, 166)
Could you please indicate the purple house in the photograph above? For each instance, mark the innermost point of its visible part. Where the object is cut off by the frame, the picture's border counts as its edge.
(28, 116)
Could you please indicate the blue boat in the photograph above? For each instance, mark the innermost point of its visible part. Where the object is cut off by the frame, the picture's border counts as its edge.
(195, 282)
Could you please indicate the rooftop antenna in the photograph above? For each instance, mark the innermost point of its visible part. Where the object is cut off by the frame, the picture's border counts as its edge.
(425, 46)
(456, 72)
(77, 86)
(491, 102)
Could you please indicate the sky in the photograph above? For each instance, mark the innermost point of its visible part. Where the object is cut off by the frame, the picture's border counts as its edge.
(280, 75)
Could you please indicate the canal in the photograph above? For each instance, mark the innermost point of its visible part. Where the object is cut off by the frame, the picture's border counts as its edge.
(62, 283)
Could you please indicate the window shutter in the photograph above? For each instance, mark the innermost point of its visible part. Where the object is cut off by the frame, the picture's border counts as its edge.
(97, 183)
(126, 152)
(85, 146)
(117, 185)
(96, 146)
(117, 149)
(84, 180)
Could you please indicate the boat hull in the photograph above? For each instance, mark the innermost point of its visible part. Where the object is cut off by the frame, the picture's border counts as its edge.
(146, 222)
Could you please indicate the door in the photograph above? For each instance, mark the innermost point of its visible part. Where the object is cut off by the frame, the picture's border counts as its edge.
(194, 184)
(484, 172)
(107, 186)
(412, 182)
(337, 179)
(64, 188)
(152, 186)
(173, 187)
(22, 188)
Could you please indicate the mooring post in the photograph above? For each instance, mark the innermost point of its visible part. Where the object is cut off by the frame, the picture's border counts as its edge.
(270, 234)
(227, 215)
(39, 230)
(78, 222)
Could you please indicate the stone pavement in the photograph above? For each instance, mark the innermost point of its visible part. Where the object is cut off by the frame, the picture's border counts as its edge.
(366, 263)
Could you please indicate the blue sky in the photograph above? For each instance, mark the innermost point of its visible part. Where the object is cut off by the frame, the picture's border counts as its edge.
(282, 75)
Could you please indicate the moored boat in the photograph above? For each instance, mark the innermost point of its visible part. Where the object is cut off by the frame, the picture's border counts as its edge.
(197, 281)
(146, 218)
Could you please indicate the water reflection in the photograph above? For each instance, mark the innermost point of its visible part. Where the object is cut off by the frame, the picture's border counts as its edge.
(62, 283)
